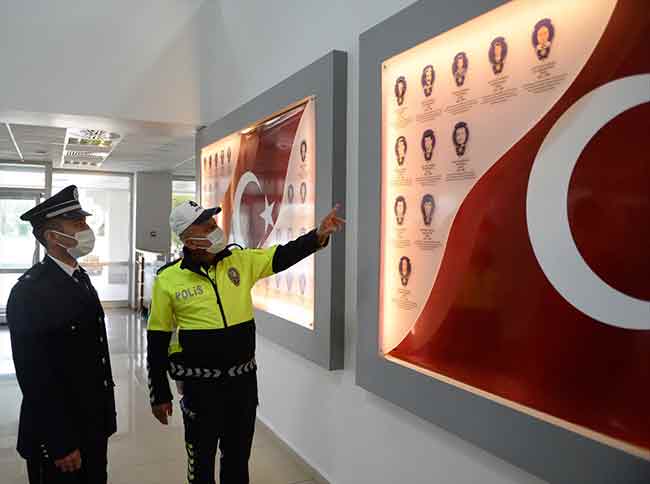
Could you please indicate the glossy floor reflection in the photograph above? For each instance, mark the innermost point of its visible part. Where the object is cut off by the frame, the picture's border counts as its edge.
(142, 451)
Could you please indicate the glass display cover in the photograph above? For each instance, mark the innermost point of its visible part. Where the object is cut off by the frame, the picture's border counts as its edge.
(514, 269)
(264, 178)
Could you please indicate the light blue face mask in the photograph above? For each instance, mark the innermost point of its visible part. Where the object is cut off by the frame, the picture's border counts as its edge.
(85, 243)
(217, 240)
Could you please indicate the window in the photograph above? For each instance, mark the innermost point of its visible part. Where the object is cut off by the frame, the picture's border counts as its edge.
(22, 176)
(182, 191)
(108, 199)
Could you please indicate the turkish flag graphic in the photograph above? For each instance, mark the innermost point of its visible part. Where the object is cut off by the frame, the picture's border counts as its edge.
(567, 340)
(253, 190)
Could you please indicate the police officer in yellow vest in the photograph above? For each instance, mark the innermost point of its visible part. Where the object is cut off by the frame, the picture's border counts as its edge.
(206, 296)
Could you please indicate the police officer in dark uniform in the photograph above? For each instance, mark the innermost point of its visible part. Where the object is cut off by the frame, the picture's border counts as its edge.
(60, 352)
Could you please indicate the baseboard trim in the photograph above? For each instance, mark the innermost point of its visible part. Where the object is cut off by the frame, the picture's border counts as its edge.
(318, 476)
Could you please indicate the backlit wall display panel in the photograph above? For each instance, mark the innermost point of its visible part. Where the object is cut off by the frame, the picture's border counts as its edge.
(264, 178)
(515, 207)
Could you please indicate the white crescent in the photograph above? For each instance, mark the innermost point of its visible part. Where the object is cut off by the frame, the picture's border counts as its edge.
(246, 178)
(546, 205)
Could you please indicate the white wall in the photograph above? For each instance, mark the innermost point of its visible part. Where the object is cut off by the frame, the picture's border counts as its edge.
(119, 204)
(120, 58)
(348, 434)
(153, 203)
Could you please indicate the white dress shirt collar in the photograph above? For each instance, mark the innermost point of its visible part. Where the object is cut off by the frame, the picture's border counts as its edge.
(64, 267)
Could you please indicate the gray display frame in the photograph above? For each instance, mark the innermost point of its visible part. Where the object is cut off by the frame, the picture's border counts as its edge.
(326, 80)
(545, 450)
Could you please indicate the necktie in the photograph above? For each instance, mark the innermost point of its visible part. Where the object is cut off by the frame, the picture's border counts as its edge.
(83, 279)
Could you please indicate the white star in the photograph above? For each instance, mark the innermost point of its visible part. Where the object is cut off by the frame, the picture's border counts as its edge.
(267, 214)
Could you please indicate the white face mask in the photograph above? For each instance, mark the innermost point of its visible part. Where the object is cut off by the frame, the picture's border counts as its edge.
(85, 243)
(217, 238)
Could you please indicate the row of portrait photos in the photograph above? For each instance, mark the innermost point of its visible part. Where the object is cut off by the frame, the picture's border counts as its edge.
(460, 139)
(289, 278)
(225, 156)
(427, 209)
(291, 191)
(542, 40)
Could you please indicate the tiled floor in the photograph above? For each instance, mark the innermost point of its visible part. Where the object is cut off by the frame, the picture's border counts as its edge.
(143, 451)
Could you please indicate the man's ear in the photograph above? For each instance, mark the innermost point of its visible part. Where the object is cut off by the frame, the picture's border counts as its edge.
(49, 237)
(53, 238)
(189, 243)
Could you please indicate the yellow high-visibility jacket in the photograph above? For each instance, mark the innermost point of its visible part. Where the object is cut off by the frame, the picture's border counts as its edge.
(212, 310)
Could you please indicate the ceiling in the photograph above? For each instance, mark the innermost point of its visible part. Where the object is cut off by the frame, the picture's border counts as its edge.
(143, 146)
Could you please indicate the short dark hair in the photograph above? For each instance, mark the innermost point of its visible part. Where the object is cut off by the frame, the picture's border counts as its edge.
(399, 200)
(460, 55)
(400, 80)
(397, 142)
(39, 231)
(428, 134)
(424, 75)
(504, 53)
(461, 125)
(408, 265)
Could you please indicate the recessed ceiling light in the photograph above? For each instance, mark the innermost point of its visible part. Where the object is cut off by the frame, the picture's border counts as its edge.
(89, 146)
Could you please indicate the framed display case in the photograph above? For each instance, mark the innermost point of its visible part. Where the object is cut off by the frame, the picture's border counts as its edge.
(276, 166)
(503, 290)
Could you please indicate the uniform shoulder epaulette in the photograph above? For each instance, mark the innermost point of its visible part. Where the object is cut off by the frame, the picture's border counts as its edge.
(230, 246)
(168, 265)
(32, 273)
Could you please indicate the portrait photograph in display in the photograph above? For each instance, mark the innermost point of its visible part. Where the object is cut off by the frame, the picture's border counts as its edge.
(400, 210)
(405, 270)
(303, 192)
(303, 150)
(459, 68)
(427, 207)
(428, 78)
(460, 138)
(400, 90)
(303, 284)
(401, 147)
(543, 36)
(428, 144)
(289, 281)
(497, 54)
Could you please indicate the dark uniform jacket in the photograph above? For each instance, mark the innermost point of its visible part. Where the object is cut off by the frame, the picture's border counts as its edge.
(60, 351)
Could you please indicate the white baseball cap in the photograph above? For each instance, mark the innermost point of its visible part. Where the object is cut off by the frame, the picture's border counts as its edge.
(188, 213)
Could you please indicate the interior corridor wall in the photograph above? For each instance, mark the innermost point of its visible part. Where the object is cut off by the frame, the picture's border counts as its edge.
(348, 434)
(123, 59)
